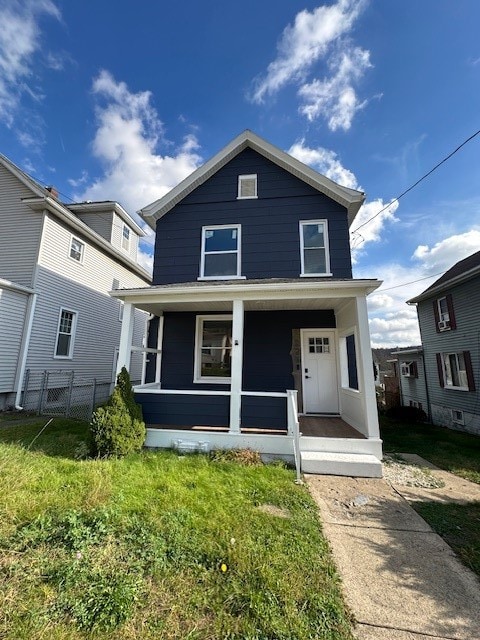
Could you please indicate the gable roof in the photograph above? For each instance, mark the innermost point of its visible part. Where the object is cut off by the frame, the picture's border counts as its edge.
(463, 270)
(349, 198)
(44, 199)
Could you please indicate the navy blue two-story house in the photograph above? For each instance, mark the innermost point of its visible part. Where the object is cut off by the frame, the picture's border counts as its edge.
(259, 333)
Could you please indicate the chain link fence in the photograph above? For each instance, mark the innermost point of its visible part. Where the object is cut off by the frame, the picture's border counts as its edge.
(62, 393)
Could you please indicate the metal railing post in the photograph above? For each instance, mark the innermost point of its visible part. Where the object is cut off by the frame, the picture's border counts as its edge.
(25, 387)
(69, 397)
(293, 429)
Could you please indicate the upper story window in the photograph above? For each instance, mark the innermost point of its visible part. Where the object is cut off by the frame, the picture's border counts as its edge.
(409, 369)
(314, 248)
(247, 186)
(213, 349)
(77, 249)
(444, 313)
(220, 257)
(126, 238)
(67, 324)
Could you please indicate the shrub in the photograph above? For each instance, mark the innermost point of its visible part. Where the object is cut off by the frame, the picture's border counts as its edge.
(118, 428)
(410, 414)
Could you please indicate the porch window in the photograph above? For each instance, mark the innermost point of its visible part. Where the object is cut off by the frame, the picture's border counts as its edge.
(314, 248)
(348, 362)
(213, 349)
(220, 257)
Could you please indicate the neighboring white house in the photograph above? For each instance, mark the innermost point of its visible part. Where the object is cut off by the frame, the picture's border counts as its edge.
(58, 264)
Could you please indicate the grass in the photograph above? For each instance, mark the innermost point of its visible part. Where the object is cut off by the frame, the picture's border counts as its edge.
(451, 450)
(459, 453)
(157, 545)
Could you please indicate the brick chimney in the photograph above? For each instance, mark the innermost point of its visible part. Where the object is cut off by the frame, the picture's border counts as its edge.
(53, 191)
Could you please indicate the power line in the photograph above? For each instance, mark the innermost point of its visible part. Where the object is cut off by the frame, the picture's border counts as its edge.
(452, 153)
(404, 284)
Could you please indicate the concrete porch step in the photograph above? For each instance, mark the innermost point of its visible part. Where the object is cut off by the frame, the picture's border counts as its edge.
(341, 464)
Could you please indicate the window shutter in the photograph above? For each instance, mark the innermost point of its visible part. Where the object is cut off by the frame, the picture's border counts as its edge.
(440, 370)
(451, 313)
(415, 369)
(469, 370)
(436, 315)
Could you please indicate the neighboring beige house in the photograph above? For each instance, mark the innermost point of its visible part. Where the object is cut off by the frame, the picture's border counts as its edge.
(58, 263)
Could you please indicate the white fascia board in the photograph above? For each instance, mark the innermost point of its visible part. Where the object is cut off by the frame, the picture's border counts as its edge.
(57, 209)
(402, 352)
(348, 198)
(87, 207)
(445, 286)
(262, 291)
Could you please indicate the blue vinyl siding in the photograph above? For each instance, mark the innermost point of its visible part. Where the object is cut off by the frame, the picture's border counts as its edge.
(264, 413)
(185, 410)
(267, 363)
(270, 233)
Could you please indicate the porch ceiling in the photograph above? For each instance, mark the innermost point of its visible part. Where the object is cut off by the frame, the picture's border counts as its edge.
(258, 295)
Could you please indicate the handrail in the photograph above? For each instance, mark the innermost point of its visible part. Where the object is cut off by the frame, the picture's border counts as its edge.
(293, 429)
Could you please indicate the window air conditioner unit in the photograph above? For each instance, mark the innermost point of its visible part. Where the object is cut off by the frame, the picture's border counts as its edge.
(443, 324)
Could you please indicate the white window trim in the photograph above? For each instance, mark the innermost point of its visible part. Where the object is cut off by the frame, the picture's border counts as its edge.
(197, 377)
(406, 369)
(120, 311)
(452, 386)
(125, 226)
(302, 249)
(72, 335)
(72, 238)
(237, 276)
(248, 176)
(460, 419)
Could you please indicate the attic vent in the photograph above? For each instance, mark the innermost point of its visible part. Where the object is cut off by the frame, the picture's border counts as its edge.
(247, 186)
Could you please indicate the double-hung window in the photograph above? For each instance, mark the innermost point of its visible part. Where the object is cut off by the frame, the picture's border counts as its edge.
(220, 257)
(126, 238)
(443, 314)
(77, 249)
(213, 349)
(314, 248)
(67, 323)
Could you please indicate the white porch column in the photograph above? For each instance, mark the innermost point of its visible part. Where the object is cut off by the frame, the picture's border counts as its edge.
(366, 366)
(126, 336)
(237, 366)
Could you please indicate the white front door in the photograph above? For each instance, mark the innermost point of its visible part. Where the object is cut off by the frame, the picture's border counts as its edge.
(320, 385)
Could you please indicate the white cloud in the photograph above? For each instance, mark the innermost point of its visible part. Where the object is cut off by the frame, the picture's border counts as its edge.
(328, 164)
(319, 35)
(128, 134)
(324, 161)
(393, 322)
(444, 254)
(335, 98)
(126, 143)
(19, 42)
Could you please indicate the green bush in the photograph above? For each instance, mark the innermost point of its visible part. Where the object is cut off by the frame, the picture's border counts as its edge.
(118, 428)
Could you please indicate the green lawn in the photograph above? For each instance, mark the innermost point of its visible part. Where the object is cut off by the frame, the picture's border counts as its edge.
(451, 450)
(459, 453)
(157, 545)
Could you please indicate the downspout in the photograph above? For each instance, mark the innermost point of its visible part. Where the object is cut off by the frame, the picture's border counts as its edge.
(429, 413)
(32, 301)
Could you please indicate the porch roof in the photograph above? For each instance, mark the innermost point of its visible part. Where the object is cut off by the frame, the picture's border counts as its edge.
(258, 295)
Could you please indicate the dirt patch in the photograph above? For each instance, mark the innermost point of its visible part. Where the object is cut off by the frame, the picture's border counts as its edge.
(273, 510)
(397, 471)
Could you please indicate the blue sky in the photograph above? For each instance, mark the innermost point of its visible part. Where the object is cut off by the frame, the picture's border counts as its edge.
(122, 104)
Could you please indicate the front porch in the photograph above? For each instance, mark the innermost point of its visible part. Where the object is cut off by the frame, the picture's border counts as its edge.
(233, 364)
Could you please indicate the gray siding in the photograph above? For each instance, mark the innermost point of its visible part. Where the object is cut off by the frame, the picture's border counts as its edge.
(100, 222)
(466, 303)
(117, 231)
(413, 389)
(12, 316)
(64, 283)
(270, 224)
(20, 231)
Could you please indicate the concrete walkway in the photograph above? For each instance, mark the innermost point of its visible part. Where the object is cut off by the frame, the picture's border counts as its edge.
(400, 579)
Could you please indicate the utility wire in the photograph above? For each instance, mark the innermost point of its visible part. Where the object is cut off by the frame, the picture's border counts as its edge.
(404, 284)
(419, 180)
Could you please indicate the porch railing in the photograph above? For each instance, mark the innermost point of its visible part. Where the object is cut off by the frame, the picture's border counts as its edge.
(293, 429)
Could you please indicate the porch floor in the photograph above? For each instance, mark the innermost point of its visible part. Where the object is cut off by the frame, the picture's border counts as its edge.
(316, 426)
(327, 427)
